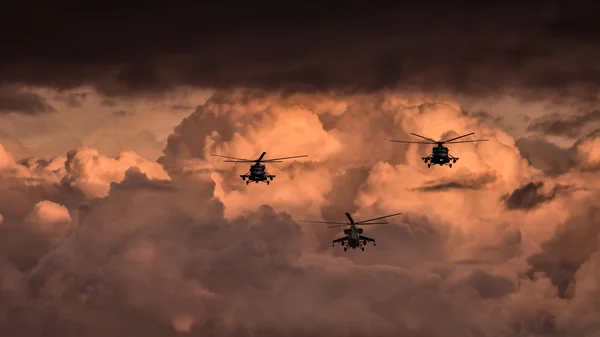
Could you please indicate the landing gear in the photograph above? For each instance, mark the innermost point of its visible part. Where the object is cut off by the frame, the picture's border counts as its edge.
(333, 245)
(362, 248)
(450, 165)
(374, 244)
(428, 165)
(247, 182)
(256, 181)
(268, 182)
(345, 249)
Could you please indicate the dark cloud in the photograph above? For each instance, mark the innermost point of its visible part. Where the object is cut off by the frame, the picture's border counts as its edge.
(543, 155)
(21, 101)
(484, 115)
(554, 160)
(559, 125)
(188, 138)
(489, 285)
(75, 100)
(469, 182)
(530, 195)
(332, 45)
(572, 245)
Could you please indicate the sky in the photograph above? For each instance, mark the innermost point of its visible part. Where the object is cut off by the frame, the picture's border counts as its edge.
(116, 221)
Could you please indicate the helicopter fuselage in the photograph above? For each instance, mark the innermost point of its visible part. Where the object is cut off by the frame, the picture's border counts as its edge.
(440, 156)
(256, 174)
(352, 239)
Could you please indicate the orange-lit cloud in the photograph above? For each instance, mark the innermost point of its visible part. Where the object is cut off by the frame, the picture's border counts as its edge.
(92, 244)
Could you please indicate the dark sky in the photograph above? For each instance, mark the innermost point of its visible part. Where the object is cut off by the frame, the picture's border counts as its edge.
(327, 45)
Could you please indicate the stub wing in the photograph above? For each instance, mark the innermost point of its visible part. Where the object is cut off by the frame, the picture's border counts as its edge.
(366, 238)
(345, 238)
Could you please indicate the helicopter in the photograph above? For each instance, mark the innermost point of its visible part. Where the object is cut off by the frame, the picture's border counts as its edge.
(257, 171)
(440, 154)
(353, 236)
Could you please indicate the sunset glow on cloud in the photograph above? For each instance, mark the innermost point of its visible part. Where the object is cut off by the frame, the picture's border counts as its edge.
(116, 220)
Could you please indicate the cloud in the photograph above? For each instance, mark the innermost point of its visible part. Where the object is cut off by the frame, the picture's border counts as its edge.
(20, 101)
(530, 196)
(528, 49)
(585, 153)
(49, 218)
(189, 249)
(570, 126)
(571, 246)
(546, 156)
(141, 125)
(73, 99)
(92, 173)
(464, 182)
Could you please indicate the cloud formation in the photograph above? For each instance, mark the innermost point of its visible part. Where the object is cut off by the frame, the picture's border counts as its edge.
(93, 245)
(528, 50)
(81, 118)
(19, 101)
(571, 126)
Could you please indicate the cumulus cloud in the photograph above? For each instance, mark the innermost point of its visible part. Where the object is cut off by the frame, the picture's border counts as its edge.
(49, 217)
(93, 173)
(189, 249)
(585, 153)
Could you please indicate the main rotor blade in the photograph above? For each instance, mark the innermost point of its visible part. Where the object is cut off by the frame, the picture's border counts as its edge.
(239, 161)
(327, 222)
(349, 217)
(408, 142)
(216, 155)
(455, 138)
(381, 217)
(414, 134)
(285, 158)
(261, 157)
(357, 224)
(469, 141)
(270, 161)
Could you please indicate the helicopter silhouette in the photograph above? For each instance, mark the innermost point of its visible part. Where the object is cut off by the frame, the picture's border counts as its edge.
(257, 171)
(440, 154)
(353, 236)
